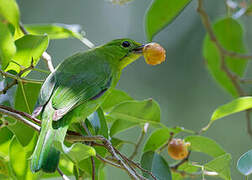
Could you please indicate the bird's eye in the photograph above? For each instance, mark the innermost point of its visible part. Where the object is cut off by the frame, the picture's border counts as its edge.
(125, 44)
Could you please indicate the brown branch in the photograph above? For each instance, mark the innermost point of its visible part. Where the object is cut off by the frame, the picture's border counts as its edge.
(139, 141)
(20, 118)
(106, 161)
(166, 144)
(124, 163)
(64, 177)
(208, 27)
(176, 166)
(223, 52)
(15, 80)
(45, 56)
(21, 113)
(93, 167)
(23, 80)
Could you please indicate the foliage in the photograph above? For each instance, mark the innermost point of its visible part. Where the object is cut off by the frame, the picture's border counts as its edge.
(21, 48)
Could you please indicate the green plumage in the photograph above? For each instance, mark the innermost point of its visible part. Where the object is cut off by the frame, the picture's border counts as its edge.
(74, 91)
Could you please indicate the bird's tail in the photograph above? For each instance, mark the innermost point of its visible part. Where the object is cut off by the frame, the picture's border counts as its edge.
(45, 156)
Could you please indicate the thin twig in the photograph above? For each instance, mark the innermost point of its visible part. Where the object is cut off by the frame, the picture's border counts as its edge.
(20, 118)
(223, 52)
(208, 27)
(106, 161)
(93, 167)
(166, 144)
(24, 80)
(131, 162)
(45, 56)
(20, 113)
(176, 166)
(15, 80)
(139, 141)
(73, 138)
(64, 177)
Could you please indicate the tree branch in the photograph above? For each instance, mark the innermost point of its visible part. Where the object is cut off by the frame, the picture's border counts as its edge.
(208, 27)
(20, 118)
(139, 141)
(124, 163)
(17, 78)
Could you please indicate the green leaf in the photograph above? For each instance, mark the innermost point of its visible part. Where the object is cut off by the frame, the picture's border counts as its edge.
(5, 140)
(104, 127)
(24, 133)
(56, 30)
(7, 45)
(114, 98)
(221, 165)
(76, 152)
(205, 145)
(158, 138)
(20, 166)
(9, 11)
(237, 105)
(161, 13)
(186, 167)
(137, 111)
(226, 30)
(244, 164)
(28, 47)
(121, 125)
(156, 164)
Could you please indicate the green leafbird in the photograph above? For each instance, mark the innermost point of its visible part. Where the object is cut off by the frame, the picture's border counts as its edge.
(75, 90)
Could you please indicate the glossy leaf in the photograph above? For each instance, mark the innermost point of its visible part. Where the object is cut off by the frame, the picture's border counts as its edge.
(137, 111)
(237, 105)
(76, 152)
(226, 30)
(158, 138)
(244, 164)
(5, 140)
(7, 45)
(9, 11)
(20, 166)
(186, 167)
(55, 30)
(28, 47)
(121, 125)
(31, 93)
(205, 145)
(161, 13)
(156, 164)
(221, 165)
(114, 98)
(104, 127)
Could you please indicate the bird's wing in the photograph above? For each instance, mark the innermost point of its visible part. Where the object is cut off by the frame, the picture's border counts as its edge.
(77, 85)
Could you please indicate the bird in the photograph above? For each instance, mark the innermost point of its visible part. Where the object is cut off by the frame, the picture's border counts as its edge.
(76, 89)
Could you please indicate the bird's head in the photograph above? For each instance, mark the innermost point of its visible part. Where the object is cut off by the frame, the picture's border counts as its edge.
(123, 51)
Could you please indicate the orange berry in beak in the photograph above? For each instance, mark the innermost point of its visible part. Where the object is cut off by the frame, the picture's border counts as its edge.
(154, 53)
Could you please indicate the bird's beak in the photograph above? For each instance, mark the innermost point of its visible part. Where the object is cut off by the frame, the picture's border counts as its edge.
(138, 50)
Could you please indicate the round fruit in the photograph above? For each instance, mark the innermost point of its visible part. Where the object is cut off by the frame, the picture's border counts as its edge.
(178, 149)
(154, 53)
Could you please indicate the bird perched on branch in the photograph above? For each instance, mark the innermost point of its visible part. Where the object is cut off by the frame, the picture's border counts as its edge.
(75, 90)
